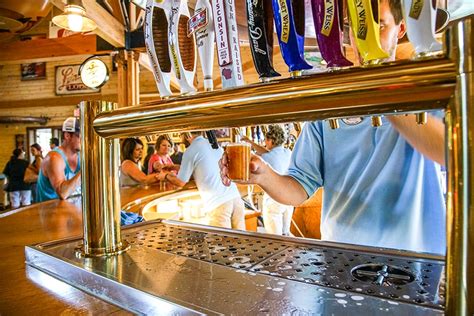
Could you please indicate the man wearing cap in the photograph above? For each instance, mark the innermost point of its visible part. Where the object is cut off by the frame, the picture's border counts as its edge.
(60, 174)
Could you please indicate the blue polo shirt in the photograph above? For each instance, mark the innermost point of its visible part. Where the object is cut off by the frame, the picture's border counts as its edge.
(279, 158)
(378, 190)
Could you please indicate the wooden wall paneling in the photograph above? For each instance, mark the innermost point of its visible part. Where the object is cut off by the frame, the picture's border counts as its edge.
(57, 115)
(27, 93)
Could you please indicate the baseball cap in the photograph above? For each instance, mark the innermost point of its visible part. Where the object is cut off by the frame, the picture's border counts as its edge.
(72, 125)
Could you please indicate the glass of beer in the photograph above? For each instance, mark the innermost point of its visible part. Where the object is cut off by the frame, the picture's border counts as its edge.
(238, 161)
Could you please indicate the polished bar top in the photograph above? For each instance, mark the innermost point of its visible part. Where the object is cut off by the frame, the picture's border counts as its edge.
(24, 289)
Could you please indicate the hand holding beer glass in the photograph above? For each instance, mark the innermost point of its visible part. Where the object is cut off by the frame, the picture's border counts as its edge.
(238, 161)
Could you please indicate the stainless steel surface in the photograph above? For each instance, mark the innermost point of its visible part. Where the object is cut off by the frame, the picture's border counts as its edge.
(400, 86)
(460, 222)
(174, 268)
(100, 163)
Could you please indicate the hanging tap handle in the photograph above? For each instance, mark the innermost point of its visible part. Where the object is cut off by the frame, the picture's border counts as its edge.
(333, 123)
(376, 121)
(421, 118)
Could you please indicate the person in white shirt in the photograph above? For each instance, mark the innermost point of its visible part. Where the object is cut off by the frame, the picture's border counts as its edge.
(222, 203)
(276, 216)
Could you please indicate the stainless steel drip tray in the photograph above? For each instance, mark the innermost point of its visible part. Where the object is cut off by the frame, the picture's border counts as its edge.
(180, 269)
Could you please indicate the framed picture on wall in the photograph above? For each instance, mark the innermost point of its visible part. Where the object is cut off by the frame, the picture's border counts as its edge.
(224, 135)
(68, 81)
(33, 71)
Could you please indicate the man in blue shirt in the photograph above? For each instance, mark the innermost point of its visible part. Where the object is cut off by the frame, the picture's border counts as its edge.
(381, 185)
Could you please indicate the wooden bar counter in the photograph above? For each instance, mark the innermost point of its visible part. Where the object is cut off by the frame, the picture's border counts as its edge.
(25, 290)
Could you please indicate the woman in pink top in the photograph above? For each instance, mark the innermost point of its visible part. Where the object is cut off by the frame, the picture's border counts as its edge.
(161, 158)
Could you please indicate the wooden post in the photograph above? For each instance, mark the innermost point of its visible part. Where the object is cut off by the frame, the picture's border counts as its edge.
(128, 78)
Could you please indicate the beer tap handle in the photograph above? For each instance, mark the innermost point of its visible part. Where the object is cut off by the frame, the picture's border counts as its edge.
(333, 123)
(211, 137)
(376, 121)
(421, 118)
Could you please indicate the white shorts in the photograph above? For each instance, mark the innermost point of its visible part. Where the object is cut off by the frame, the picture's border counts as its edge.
(18, 198)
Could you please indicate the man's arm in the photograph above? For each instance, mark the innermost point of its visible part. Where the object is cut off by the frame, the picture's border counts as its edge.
(131, 169)
(174, 180)
(54, 170)
(427, 139)
(259, 149)
(283, 189)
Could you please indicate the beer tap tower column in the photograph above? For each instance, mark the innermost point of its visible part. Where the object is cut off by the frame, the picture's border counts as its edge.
(100, 162)
(460, 210)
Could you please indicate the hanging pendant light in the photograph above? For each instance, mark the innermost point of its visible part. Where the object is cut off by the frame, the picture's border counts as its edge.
(74, 18)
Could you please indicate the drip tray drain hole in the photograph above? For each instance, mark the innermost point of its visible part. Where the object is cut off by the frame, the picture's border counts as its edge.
(382, 274)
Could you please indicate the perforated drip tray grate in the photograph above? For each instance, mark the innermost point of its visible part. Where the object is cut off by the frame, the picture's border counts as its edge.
(237, 252)
(413, 281)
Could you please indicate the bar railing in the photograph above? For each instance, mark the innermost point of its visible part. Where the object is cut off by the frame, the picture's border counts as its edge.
(445, 83)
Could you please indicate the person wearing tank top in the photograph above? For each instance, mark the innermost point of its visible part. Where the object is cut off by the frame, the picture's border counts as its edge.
(60, 175)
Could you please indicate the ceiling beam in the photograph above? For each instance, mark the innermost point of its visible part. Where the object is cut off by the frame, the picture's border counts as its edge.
(108, 27)
(56, 101)
(36, 50)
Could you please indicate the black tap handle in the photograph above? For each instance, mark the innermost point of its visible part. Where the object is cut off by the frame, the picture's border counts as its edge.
(211, 137)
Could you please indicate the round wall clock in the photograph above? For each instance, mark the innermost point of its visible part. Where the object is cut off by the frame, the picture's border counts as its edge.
(94, 73)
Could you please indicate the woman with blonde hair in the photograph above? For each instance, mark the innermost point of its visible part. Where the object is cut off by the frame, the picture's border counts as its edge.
(161, 158)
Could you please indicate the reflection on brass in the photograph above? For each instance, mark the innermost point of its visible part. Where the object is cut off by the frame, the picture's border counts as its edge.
(100, 198)
(405, 86)
(460, 212)
(297, 126)
(333, 123)
(428, 55)
(296, 73)
(376, 121)
(372, 62)
(421, 118)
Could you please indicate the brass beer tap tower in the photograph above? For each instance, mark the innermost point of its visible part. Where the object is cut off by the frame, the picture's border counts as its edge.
(407, 86)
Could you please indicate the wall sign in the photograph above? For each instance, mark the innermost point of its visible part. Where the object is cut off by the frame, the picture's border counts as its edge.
(68, 81)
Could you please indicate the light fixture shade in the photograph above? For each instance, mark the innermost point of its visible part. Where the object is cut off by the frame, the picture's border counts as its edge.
(74, 18)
